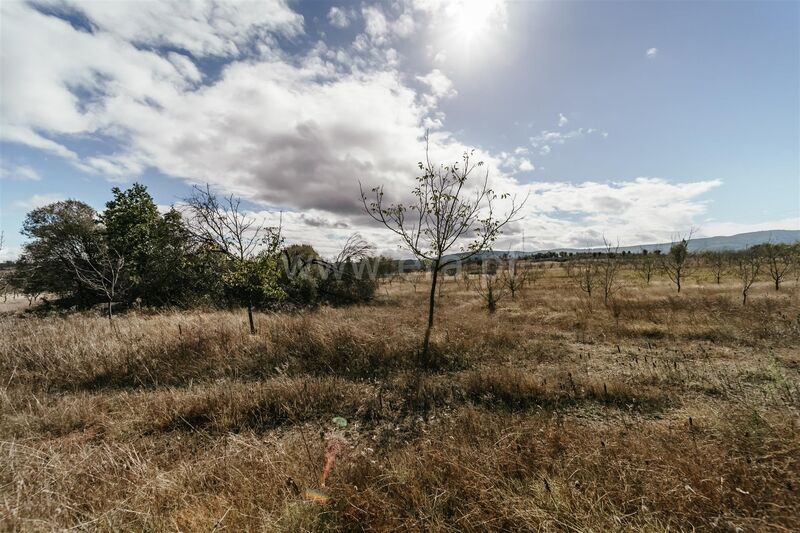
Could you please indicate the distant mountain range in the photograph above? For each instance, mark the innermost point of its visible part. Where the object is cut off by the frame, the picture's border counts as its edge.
(739, 241)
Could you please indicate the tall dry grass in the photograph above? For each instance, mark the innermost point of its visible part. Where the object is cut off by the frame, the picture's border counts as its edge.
(661, 411)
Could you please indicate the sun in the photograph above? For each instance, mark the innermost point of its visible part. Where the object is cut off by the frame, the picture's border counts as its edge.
(470, 26)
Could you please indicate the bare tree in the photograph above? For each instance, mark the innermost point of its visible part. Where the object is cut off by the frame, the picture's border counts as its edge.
(718, 262)
(222, 226)
(102, 269)
(645, 265)
(492, 288)
(515, 277)
(779, 261)
(608, 268)
(675, 263)
(442, 214)
(465, 277)
(4, 283)
(535, 273)
(749, 265)
(584, 271)
(7, 276)
(354, 249)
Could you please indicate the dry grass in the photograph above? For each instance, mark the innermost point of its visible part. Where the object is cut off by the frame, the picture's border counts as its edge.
(663, 411)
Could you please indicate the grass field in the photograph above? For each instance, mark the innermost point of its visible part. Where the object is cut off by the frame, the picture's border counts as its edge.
(663, 411)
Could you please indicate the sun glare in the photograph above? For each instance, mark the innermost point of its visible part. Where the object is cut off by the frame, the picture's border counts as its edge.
(471, 26)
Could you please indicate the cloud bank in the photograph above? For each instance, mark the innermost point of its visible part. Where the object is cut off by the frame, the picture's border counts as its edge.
(291, 131)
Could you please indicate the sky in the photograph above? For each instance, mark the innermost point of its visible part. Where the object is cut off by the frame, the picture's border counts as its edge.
(629, 120)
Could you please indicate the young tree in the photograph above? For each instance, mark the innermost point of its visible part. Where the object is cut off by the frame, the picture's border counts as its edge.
(676, 263)
(718, 262)
(749, 265)
(584, 272)
(515, 277)
(492, 289)
(645, 265)
(779, 261)
(250, 248)
(102, 269)
(443, 213)
(608, 268)
(5, 285)
(535, 273)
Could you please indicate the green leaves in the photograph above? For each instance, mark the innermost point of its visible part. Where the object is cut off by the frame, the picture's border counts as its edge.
(254, 279)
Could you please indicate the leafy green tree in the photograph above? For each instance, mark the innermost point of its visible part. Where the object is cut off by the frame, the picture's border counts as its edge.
(131, 220)
(132, 225)
(298, 279)
(253, 280)
(163, 263)
(58, 233)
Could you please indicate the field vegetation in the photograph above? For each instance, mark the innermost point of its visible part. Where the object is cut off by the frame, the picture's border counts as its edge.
(656, 410)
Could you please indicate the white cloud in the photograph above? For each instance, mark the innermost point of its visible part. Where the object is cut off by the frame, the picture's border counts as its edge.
(711, 228)
(651, 52)
(637, 211)
(338, 17)
(10, 253)
(291, 132)
(38, 200)
(21, 173)
(440, 85)
(185, 66)
(562, 120)
(515, 162)
(525, 165)
(547, 138)
(202, 27)
(375, 22)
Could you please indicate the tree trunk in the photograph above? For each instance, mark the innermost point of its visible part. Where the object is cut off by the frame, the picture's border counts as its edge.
(109, 310)
(431, 307)
(744, 298)
(250, 318)
(777, 284)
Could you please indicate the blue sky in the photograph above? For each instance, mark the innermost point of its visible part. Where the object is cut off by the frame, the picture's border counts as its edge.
(633, 120)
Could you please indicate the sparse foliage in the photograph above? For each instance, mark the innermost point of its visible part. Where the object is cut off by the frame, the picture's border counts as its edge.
(101, 268)
(717, 262)
(675, 263)
(749, 265)
(645, 265)
(608, 269)
(444, 212)
(778, 258)
(251, 249)
(584, 271)
(492, 288)
(515, 276)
